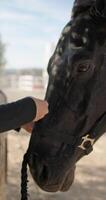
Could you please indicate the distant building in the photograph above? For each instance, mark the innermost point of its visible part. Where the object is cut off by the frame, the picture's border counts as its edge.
(25, 79)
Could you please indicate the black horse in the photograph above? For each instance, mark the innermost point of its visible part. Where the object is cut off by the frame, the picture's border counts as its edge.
(76, 94)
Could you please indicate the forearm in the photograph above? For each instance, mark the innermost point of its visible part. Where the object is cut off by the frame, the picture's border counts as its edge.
(16, 114)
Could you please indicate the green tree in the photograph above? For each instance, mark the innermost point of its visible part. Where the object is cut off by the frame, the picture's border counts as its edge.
(2, 53)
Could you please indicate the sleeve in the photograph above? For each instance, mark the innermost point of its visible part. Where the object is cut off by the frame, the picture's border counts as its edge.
(14, 115)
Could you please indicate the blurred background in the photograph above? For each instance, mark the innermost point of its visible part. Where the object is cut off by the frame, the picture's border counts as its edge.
(29, 31)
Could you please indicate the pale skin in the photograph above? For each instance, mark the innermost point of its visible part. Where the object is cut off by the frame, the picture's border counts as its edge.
(41, 111)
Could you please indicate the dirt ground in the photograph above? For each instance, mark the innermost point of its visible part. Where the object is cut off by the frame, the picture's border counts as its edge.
(90, 180)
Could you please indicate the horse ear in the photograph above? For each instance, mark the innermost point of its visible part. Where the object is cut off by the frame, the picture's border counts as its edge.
(101, 7)
(80, 5)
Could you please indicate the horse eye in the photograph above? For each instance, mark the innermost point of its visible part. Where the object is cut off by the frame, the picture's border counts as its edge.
(83, 67)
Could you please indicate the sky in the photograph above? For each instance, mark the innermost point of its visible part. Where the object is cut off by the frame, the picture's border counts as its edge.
(30, 27)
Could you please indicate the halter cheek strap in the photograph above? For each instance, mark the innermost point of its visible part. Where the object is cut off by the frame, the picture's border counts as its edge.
(86, 142)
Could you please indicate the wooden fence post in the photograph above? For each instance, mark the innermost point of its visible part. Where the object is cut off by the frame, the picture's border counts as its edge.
(3, 156)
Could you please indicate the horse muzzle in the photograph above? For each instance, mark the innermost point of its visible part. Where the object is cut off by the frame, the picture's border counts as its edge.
(50, 179)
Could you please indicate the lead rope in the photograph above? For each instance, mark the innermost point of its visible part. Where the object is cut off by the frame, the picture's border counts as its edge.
(24, 178)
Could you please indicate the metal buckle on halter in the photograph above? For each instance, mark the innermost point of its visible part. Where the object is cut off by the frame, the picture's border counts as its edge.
(96, 132)
(86, 139)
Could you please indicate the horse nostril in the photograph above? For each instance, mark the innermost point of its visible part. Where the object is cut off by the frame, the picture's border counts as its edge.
(44, 175)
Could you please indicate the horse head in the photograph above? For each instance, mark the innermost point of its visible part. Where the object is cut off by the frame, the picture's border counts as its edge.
(76, 94)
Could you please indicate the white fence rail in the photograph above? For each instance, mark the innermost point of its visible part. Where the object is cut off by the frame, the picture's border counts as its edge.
(22, 82)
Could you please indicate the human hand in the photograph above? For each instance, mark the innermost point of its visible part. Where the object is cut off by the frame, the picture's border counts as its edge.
(41, 108)
(41, 111)
(28, 127)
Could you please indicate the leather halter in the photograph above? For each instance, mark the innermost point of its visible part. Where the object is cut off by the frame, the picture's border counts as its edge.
(86, 142)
